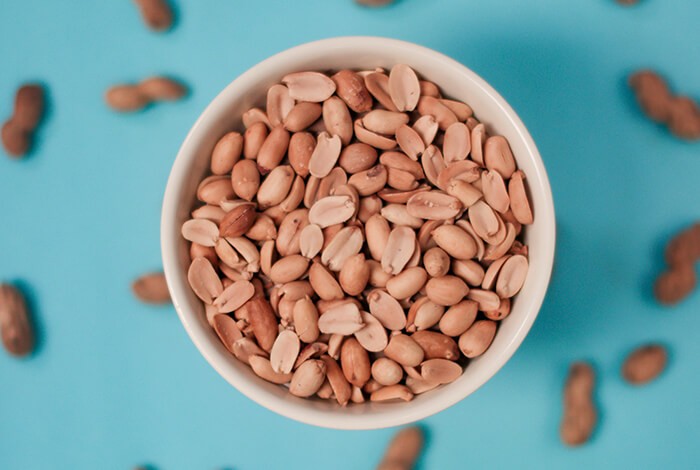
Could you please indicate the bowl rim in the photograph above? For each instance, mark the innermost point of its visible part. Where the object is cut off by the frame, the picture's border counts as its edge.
(170, 238)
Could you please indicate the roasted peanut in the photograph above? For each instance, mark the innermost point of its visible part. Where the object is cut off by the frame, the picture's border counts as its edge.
(682, 252)
(151, 288)
(226, 153)
(17, 132)
(350, 87)
(679, 113)
(403, 450)
(580, 415)
(644, 364)
(15, 325)
(355, 362)
(134, 97)
(238, 221)
(308, 378)
(436, 345)
(684, 247)
(156, 14)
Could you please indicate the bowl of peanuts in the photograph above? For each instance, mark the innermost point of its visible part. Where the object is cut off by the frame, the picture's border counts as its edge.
(358, 233)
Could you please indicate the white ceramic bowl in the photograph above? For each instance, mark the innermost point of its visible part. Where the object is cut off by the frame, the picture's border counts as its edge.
(224, 114)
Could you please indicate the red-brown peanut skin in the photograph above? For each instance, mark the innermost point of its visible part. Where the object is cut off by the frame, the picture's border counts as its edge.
(15, 141)
(16, 132)
(29, 106)
(580, 415)
(645, 364)
(263, 321)
(15, 326)
(354, 361)
(125, 98)
(156, 14)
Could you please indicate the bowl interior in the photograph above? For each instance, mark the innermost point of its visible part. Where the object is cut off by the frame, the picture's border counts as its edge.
(224, 114)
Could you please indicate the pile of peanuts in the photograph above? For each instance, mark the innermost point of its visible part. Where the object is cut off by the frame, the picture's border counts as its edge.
(360, 238)
(680, 113)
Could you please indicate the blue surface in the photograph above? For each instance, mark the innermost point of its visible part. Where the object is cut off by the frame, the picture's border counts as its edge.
(115, 383)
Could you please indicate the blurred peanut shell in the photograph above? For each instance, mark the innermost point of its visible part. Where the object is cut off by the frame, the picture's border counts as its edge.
(151, 288)
(15, 326)
(156, 14)
(645, 364)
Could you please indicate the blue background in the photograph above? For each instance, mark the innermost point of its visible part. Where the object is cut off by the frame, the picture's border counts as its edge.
(115, 383)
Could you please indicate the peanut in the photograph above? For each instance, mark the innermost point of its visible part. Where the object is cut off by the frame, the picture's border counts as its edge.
(351, 89)
(238, 221)
(684, 248)
(308, 378)
(355, 362)
(17, 132)
(15, 326)
(403, 450)
(151, 288)
(673, 286)
(679, 113)
(644, 364)
(156, 14)
(580, 415)
(436, 345)
(130, 98)
(682, 252)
